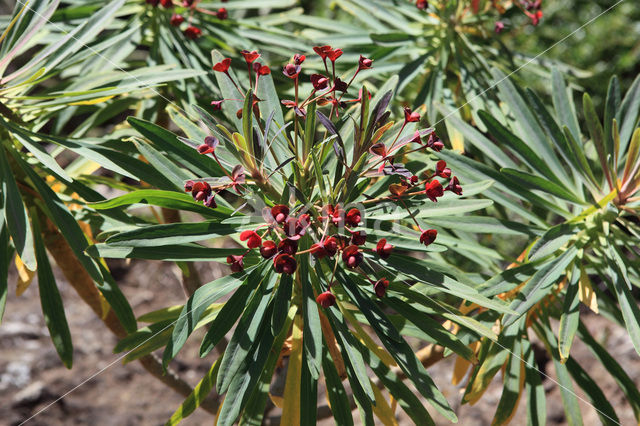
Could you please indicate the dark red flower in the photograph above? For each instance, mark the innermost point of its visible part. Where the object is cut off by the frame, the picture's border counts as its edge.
(200, 190)
(434, 142)
(188, 185)
(263, 70)
(331, 246)
(192, 32)
(222, 66)
(299, 59)
(252, 238)
(434, 190)
(210, 201)
(222, 13)
(428, 236)
(319, 81)
(454, 186)
(236, 262)
(352, 256)
(250, 56)
(422, 4)
(209, 145)
(285, 263)
(326, 299)
(280, 212)
(341, 86)
(176, 20)
(217, 105)
(380, 287)
(358, 238)
(288, 246)
(166, 3)
(354, 217)
(442, 170)
(336, 214)
(291, 70)
(322, 51)
(268, 249)
(411, 117)
(328, 247)
(383, 248)
(364, 63)
(334, 54)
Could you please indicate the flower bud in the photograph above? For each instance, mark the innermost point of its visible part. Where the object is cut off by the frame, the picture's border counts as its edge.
(326, 299)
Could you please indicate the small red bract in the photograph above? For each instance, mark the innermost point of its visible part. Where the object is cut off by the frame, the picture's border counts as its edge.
(334, 54)
(359, 238)
(280, 212)
(209, 145)
(217, 105)
(285, 263)
(429, 236)
(236, 262)
(380, 287)
(222, 66)
(288, 246)
(322, 51)
(354, 217)
(434, 190)
(422, 4)
(383, 248)
(291, 70)
(364, 63)
(319, 81)
(192, 32)
(352, 256)
(200, 190)
(176, 20)
(268, 249)
(166, 3)
(442, 170)
(454, 186)
(298, 58)
(252, 238)
(411, 117)
(326, 299)
(250, 56)
(222, 13)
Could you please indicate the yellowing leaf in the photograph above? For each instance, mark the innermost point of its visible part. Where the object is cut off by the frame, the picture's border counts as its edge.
(457, 140)
(586, 293)
(93, 101)
(382, 409)
(25, 276)
(460, 369)
(291, 407)
(365, 339)
(278, 401)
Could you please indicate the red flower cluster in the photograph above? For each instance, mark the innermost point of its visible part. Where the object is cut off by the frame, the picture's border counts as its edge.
(191, 31)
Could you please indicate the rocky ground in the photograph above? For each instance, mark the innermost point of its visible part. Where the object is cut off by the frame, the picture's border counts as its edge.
(102, 391)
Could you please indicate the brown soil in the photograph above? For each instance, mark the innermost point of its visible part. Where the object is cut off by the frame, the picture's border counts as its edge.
(32, 377)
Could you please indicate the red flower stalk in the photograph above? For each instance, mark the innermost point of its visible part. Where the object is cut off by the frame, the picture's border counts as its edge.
(358, 238)
(454, 186)
(222, 14)
(354, 217)
(252, 238)
(222, 66)
(236, 262)
(364, 63)
(288, 246)
(380, 287)
(200, 190)
(442, 170)
(383, 248)
(411, 117)
(326, 299)
(280, 212)
(429, 236)
(176, 20)
(192, 32)
(434, 190)
(250, 56)
(209, 145)
(319, 81)
(291, 70)
(268, 249)
(352, 256)
(285, 263)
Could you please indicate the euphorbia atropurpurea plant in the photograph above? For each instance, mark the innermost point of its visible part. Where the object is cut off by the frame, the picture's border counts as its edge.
(331, 215)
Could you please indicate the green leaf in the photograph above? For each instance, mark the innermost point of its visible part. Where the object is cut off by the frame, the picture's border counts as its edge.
(173, 233)
(570, 315)
(536, 401)
(15, 214)
(167, 199)
(195, 307)
(553, 239)
(282, 300)
(535, 182)
(598, 399)
(5, 260)
(50, 299)
(511, 390)
(172, 252)
(162, 165)
(540, 284)
(193, 401)
(246, 332)
(337, 395)
(629, 109)
(597, 135)
(563, 104)
(312, 330)
(481, 224)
